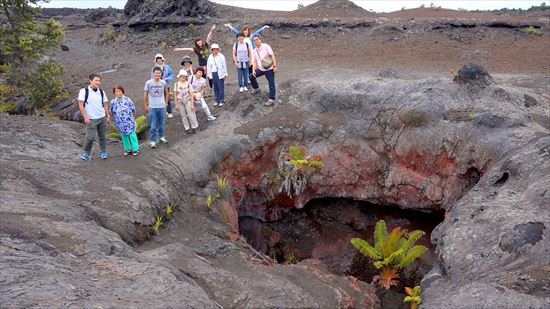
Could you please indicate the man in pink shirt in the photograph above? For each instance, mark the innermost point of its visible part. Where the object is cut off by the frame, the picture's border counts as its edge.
(269, 67)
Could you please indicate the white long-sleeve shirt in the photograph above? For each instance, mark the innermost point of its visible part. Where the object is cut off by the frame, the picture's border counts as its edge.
(216, 64)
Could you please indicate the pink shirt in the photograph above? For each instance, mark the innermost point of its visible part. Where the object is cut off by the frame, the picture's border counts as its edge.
(263, 52)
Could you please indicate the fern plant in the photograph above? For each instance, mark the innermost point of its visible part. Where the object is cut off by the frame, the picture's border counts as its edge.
(391, 251)
(295, 166)
(413, 296)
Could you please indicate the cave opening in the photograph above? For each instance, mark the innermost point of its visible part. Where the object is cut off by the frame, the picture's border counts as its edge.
(323, 229)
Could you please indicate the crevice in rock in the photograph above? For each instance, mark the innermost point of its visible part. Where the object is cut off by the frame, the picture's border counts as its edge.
(502, 180)
(323, 229)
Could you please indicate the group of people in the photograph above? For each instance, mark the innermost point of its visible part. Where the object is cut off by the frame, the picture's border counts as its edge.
(251, 57)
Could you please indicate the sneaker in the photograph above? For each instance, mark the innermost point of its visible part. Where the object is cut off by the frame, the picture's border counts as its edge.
(220, 104)
(163, 140)
(241, 90)
(85, 156)
(170, 116)
(188, 131)
(211, 118)
(268, 103)
(126, 153)
(104, 155)
(153, 144)
(245, 89)
(135, 153)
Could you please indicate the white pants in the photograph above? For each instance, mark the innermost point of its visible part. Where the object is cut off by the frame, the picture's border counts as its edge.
(188, 117)
(202, 104)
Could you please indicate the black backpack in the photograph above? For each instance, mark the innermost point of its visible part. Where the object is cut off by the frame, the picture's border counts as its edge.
(87, 93)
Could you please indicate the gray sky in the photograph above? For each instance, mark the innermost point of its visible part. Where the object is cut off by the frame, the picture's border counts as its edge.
(288, 5)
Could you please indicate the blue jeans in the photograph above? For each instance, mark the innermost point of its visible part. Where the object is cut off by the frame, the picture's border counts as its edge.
(169, 107)
(219, 85)
(270, 79)
(157, 123)
(242, 75)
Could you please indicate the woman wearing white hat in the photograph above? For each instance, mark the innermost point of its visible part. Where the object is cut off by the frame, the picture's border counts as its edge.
(183, 92)
(217, 72)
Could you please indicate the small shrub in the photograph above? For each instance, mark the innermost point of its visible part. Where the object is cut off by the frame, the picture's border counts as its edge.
(290, 258)
(42, 87)
(163, 44)
(192, 27)
(7, 107)
(413, 296)
(296, 166)
(110, 35)
(531, 30)
(300, 6)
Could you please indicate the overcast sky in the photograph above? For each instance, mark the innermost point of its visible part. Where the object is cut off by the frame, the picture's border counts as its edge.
(288, 5)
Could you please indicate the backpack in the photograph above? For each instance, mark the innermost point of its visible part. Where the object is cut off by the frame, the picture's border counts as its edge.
(87, 94)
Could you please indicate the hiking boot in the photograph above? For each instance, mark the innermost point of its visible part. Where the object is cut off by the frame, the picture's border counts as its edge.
(104, 154)
(153, 144)
(211, 118)
(268, 103)
(163, 140)
(126, 153)
(85, 156)
(135, 153)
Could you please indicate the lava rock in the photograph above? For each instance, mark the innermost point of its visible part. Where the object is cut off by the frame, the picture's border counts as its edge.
(530, 101)
(156, 12)
(474, 74)
(64, 47)
(522, 234)
(388, 73)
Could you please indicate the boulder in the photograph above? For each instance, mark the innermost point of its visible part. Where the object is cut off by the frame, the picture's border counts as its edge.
(153, 12)
(474, 74)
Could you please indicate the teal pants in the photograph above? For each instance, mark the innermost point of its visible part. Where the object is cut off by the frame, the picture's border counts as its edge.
(130, 142)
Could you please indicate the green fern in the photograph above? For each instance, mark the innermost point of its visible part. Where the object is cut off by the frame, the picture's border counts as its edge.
(366, 249)
(391, 251)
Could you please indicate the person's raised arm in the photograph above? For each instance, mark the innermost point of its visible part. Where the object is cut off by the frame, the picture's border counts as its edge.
(259, 31)
(233, 30)
(210, 34)
(183, 49)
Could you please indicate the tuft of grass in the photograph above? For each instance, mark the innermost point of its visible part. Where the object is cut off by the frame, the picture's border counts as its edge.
(290, 258)
(209, 203)
(157, 224)
(192, 27)
(169, 211)
(531, 30)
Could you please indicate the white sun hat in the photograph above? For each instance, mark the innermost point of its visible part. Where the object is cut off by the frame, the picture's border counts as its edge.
(182, 72)
(214, 46)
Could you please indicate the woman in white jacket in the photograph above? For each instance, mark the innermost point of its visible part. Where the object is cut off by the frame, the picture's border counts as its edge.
(217, 72)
